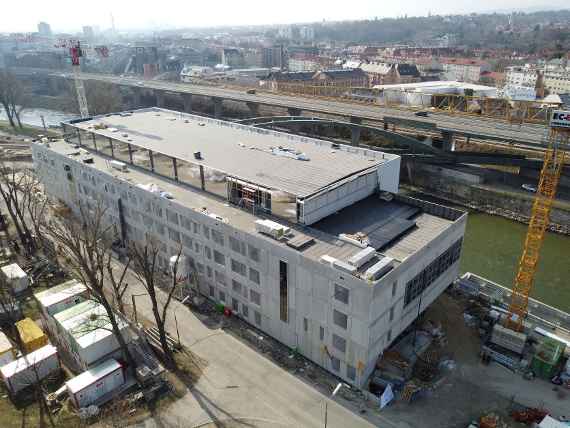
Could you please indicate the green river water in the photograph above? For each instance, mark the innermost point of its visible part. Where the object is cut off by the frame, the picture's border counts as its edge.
(492, 248)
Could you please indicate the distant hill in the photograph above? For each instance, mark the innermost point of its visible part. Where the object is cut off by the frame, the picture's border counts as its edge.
(530, 32)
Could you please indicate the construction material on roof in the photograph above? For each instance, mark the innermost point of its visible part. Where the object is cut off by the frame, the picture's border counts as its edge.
(31, 335)
(7, 351)
(379, 269)
(16, 277)
(271, 228)
(300, 242)
(362, 257)
(93, 384)
(30, 368)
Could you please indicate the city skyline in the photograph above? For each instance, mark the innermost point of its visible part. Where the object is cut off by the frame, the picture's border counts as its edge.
(62, 15)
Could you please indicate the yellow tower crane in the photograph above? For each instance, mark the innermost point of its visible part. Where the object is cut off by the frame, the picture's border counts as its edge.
(559, 134)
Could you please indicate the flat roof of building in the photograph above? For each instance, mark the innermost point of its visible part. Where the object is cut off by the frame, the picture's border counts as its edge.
(241, 151)
(87, 323)
(91, 376)
(5, 344)
(326, 241)
(60, 292)
(28, 360)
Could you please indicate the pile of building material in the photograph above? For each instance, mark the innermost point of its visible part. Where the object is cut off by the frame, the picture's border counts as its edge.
(546, 361)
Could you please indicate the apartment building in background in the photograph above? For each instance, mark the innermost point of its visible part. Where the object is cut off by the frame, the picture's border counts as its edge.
(307, 240)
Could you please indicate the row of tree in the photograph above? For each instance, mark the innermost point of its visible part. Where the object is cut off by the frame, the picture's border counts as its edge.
(85, 244)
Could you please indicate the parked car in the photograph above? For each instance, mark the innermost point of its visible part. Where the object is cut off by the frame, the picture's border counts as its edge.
(529, 188)
(421, 113)
(250, 91)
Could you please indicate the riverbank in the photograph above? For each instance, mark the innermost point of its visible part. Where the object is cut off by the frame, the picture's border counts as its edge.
(27, 131)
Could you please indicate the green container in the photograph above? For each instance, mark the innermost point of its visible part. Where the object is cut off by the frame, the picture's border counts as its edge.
(547, 357)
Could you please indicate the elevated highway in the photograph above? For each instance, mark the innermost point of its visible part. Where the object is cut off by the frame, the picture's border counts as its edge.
(481, 128)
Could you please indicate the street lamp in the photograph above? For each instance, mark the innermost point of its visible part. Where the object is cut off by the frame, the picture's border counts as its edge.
(335, 391)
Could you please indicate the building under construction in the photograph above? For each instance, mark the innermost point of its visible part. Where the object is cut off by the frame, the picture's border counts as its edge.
(306, 240)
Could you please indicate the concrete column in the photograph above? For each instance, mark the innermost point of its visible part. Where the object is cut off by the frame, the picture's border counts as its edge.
(294, 111)
(447, 145)
(137, 97)
(159, 98)
(187, 98)
(355, 130)
(218, 108)
(253, 109)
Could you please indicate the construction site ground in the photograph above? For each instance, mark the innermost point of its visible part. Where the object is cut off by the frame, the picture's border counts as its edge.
(473, 389)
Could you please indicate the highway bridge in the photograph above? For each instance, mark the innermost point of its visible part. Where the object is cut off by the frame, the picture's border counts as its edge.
(450, 125)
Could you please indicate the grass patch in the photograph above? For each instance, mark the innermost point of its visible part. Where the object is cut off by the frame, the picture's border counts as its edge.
(26, 130)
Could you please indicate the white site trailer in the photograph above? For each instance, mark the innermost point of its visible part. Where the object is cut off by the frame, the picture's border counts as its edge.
(16, 277)
(93, 384)
(30, 368)
(7, 352)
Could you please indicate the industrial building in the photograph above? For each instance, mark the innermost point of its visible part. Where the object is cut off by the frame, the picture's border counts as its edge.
(305, 239)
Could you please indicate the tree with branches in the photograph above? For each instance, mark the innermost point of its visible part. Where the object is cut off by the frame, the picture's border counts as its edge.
(13, 97)
(86, 244)
(13, 187)
(148, 274)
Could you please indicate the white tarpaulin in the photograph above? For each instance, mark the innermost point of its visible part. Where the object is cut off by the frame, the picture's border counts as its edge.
(387, 396)
(549, 422)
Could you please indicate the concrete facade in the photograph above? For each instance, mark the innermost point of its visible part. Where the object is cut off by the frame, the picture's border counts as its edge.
(338, 319)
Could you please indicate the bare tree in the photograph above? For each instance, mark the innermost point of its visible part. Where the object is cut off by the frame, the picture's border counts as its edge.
(12, 97)
(11, 185)
(85, 242)
(119, 285)
(147, 272)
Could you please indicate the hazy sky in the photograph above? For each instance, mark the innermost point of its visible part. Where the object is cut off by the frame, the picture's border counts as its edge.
(66, 15)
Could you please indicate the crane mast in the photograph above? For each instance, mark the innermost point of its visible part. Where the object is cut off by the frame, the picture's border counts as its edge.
(76, 53)
(559, 134)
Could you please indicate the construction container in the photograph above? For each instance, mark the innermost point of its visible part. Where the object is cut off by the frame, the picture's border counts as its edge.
(547, 358)
(84, 330)
(91, 385)
(30, 369)
(60, 297)
(31, 335)
(508, 339)
(7, 351)
(16, 277)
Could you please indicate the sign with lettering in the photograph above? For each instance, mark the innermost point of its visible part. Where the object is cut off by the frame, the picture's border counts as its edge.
(560, 119)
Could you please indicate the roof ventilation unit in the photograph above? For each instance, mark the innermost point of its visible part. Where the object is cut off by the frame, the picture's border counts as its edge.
(271, 228)
(379, 269)
(345, 267)
(198, 155)
(362, 257)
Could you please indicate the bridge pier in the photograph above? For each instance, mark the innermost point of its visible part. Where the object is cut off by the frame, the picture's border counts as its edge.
(355, 130)
(218, 107)
(448, 143)
(292, 111)
(187, 99)
(137, 97)
(253, 109)
(159, 98)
